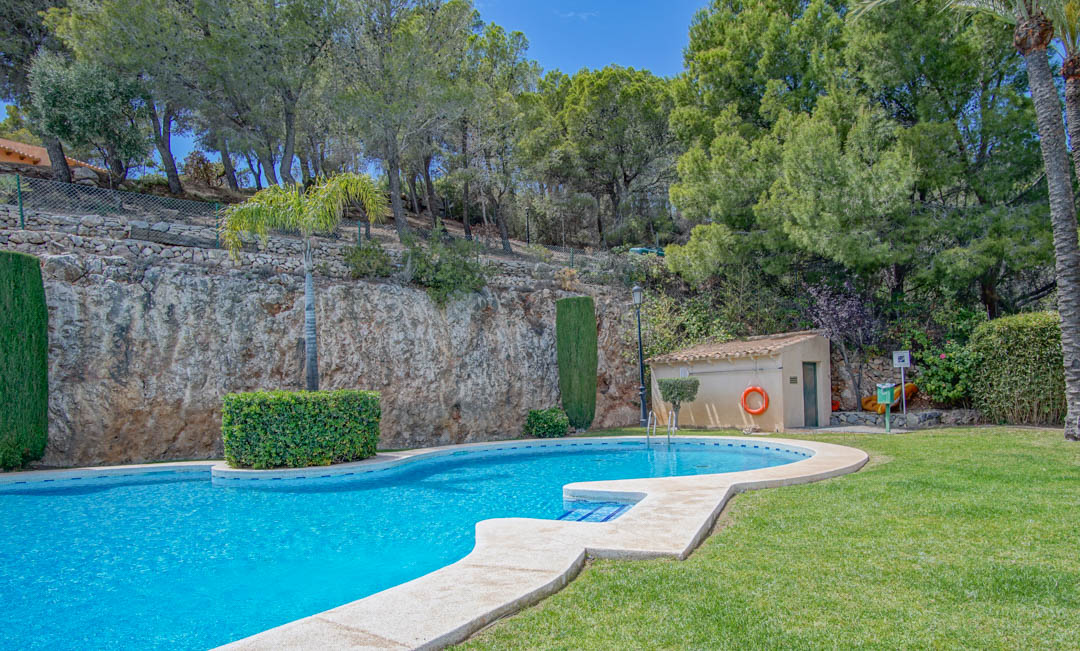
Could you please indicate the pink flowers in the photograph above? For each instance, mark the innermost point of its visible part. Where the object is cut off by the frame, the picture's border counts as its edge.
(942, 355)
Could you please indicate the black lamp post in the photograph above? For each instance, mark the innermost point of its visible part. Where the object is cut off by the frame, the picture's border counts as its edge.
(638, 296)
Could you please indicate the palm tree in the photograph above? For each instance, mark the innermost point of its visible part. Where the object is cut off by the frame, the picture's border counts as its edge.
(318, 209)
(1032, 36)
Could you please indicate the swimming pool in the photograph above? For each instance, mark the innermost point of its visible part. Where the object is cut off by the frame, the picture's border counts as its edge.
(170, 560)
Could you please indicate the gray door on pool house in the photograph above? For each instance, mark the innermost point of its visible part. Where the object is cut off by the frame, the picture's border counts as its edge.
(809, 392)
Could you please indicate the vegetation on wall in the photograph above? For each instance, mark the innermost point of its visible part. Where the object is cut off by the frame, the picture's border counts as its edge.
(24, 360)
(576, 349)
(447, 270)
(369, 260)
(293, 429)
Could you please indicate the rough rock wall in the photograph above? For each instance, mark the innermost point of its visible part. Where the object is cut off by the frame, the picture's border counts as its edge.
(140, 355)
(876, 369)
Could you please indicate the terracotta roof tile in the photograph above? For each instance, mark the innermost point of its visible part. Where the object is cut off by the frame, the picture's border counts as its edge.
(36, 155)
(749, 347)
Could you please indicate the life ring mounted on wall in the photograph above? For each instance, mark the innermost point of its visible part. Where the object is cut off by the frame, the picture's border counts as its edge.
(764, 401)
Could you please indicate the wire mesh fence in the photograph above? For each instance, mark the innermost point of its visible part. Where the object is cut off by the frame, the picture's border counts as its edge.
(39, 195)
(181, 222)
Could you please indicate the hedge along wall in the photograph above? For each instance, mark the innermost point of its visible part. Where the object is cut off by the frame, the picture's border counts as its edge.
(575, 344)
(294, 429)
(1019, 377)
(24, 360)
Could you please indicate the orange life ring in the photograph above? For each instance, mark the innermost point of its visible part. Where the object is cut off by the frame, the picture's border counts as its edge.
(764, 401)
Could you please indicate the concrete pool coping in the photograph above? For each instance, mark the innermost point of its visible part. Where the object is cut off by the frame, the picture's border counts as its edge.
(515, 562)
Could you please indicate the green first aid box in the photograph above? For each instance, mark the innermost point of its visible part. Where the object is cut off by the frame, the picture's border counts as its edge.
(885, 394)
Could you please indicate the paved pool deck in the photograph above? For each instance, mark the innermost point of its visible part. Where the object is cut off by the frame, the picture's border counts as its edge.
(518, 561)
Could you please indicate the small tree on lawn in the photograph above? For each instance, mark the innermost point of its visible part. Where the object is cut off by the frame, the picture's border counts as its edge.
(677, 391)
(318, 209)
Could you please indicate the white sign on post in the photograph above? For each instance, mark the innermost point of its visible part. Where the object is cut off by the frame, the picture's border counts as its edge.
(901, 359)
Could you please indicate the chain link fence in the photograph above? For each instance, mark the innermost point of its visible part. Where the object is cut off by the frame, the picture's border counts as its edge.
(181, 222)
(39, 195)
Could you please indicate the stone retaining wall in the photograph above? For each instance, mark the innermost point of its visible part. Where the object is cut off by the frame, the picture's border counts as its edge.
(915, 419)
(145, 338)
(876, 369)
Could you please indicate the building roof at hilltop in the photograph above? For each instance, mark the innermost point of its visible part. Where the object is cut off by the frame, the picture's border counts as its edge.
(748, 347)
(20, 152)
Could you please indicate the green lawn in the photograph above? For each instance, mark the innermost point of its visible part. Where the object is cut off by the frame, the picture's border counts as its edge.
(961, 538)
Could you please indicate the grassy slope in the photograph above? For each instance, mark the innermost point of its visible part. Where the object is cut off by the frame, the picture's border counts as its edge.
(947, 539)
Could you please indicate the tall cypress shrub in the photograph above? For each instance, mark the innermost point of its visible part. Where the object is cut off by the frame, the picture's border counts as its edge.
(575, 344)
(24, 356)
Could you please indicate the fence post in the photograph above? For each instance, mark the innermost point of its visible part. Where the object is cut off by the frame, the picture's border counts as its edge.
(18, 191)
(217, 225)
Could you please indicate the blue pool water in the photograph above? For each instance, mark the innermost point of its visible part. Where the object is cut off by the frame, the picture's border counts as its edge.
(170, 561)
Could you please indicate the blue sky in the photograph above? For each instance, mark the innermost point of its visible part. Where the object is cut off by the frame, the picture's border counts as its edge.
(570, 35)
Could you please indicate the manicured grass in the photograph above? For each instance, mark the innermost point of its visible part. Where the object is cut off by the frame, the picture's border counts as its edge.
(962, 538)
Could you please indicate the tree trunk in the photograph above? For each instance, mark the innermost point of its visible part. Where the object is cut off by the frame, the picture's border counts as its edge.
(1070, 69)
(412, 194)
(287, 153)
(613, 194)
(504, 234)
(311, 344)
(57, 161)
(256, 170)
(163, 141)
(393, 170)
(266, 161)
(117, 167)
(599, 218)
(430, 188)
(1032, 37)
(989, 296)
(465, 158)
(226, 162)
(305, 173)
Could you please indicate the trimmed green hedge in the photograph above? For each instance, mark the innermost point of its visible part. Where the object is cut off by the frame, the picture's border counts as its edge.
(546, 423)
(24, 360)
(1018, 374)
(575, 346)
(293, 429)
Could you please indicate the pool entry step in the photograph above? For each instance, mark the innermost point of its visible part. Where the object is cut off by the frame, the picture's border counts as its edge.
(593, 511)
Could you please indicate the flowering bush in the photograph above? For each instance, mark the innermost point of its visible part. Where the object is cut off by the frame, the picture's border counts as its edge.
(946, 375)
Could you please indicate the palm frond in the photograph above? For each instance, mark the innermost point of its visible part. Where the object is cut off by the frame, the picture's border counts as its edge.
(1010, 11)
(330, 196)
(270, 208)
(318, 210)
(1066, 18)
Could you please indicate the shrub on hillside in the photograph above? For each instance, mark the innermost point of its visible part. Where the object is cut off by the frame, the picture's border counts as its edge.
(369, 260)
(447, 270)
(546, 423)
(199, 169)
(293, 429)
(24, 360)
(1018, 376)
(576, 353)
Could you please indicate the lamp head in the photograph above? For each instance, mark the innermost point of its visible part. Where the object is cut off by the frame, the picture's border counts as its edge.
(638, 294)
